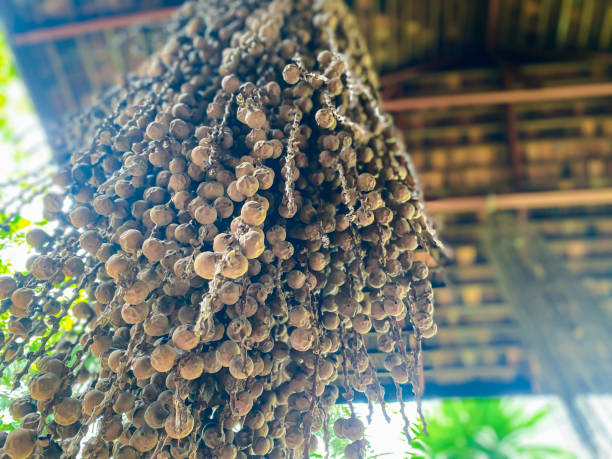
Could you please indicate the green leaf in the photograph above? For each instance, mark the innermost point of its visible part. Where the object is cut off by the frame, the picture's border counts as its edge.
(491, 428)
(543, 451)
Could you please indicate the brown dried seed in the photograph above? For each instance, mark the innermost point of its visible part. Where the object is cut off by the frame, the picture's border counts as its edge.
(91, 401)
(291, 74)
(117, 265)
(144, 439)
(264, 149)
(223, 242)
(156, 325)
(67, 411)
(153, 249)
(191, 367)
(265, 177)
(233, 193)
(244, 168)
(137, 293)
(205, 265)
(230, 292)
(156, 131)
(230, 83)
(234, 265)
(325, 118)
(226, 351)
(36, 237)
(184, 427)
(161, 215)
(44, 267)
(44, 386)
(256, 119)
(200, 155)
(81, 217)
(20, 443)
(247, 185)
(301, 339)
(241, 368)
(353, 428)
(253, 213)
(22, 406)
(131, 240)
(134, 313)
(7, 286)
(163, 358)
(185, 338)
(156, 414)
(141, 367)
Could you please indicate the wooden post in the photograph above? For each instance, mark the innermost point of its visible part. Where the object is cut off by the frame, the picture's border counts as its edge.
(560, 321)
(512, 134)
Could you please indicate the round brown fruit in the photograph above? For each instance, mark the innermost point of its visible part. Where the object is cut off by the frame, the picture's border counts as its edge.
(20, 443)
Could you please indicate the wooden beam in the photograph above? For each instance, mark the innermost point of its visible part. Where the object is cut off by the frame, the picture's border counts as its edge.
(93, 25)
(528, 125)
(455, 351)
(447, 375)
(514, 201)
(514, 96)
(484, 312)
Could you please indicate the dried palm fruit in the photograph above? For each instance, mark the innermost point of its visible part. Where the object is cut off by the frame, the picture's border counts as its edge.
(179, 428)
(91, 401)
(22, 406)
(44, 386)
(245, 218)
(20, 443)
(67, 411)
(163, 358)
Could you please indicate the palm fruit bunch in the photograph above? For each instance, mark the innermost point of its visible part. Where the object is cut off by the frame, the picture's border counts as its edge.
(231, 227)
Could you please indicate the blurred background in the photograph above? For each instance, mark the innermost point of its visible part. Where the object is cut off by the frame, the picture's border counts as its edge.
(506, 109)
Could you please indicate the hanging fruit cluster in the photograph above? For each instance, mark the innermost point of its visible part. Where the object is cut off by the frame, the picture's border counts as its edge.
(240, 219)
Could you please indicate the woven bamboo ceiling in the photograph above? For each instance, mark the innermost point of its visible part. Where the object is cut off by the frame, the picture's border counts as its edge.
(492, 96)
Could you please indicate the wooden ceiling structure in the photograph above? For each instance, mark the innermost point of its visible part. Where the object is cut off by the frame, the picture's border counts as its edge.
(506, 109)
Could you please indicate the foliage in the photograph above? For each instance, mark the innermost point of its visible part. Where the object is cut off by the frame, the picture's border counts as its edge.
(11, 234)
(337, 445)
(484, 428)
(488, 428)
(13, 228)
